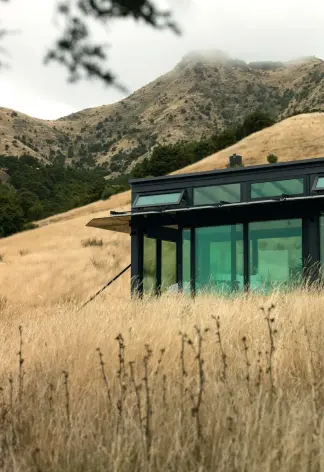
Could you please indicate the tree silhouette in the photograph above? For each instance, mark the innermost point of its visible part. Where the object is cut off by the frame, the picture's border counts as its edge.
(75, 49)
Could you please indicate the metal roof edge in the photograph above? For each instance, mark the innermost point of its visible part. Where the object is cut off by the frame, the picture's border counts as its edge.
(216, 206)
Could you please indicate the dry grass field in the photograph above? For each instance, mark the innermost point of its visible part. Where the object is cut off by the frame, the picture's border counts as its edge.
(176, 385)
(162, 385)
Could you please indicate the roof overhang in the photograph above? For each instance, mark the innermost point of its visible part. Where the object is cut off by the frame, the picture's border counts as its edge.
(120, 224)
(121, 221)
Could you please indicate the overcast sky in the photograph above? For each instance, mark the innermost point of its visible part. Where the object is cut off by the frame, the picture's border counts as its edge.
(246, 29)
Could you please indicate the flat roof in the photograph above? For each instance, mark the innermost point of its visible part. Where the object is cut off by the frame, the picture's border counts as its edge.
(232, 170)
(121, 221)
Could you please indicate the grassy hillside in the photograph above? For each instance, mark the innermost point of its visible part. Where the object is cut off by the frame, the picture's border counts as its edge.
(54, 252)
(175, 385)
(201, 95)
(298, 137)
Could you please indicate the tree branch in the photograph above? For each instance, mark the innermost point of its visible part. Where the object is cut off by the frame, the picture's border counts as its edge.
(75, 50)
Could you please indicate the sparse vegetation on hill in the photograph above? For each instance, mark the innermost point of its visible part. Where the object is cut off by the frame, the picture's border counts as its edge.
(169, 158)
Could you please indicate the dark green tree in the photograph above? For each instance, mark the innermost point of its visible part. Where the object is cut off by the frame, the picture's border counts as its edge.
(40, 191)
(256, 122)
(107, 192)
(27, 199)
(11, 213)
(36, 212)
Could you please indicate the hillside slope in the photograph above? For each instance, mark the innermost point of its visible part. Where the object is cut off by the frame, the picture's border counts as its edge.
(52, 260)
(298, 137)
(202, 94)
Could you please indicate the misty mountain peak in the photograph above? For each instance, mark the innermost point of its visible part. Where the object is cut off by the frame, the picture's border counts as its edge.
(208, 56)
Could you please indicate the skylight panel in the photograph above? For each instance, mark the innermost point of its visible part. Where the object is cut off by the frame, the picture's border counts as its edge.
(173, 198)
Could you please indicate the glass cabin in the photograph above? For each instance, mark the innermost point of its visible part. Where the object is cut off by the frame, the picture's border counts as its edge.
(226, 231)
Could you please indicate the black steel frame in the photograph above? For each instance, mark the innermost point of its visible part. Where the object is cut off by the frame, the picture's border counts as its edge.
(154, 224)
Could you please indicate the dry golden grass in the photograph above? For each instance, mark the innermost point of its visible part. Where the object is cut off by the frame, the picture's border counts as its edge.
(298, 137)
(56, 266)
(207, 408)
(227, 413)
(47, 274)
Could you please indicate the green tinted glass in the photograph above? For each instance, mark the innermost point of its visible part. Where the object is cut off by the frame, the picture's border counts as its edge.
(217, 193)
(160, 199)
(149, 265)
(219, 259)
(168, 265)
(275, 254)
(186, 245)
(276, 188)
(320, 183)
(321, 222)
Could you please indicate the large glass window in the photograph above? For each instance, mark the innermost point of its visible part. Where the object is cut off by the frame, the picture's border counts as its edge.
(169, 266)
(277, 188)
(186, 267)
(159, 199)
(219, 259)
(321, 232)
(275, 254)
(149, 265)
(230, 193)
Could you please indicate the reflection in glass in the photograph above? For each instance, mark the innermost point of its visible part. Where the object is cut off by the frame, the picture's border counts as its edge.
(320, 183)
(276, 188)
(169, 266)
(186, 267)
(217, 193)
(149, 265)
(160, 199)
(275, 254)
(219, 259)
(321, 232)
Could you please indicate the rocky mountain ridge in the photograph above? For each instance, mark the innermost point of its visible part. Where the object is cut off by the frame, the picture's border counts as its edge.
(205, 93)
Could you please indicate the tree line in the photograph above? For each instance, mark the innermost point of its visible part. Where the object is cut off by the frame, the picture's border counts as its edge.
(35, 191)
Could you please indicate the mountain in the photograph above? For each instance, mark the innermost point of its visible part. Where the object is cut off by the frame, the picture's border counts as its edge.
(205, 93)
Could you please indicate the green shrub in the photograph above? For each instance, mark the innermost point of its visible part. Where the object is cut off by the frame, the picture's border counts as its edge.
(107, 192)
(29, 226)
(92, 242)
(272, 158)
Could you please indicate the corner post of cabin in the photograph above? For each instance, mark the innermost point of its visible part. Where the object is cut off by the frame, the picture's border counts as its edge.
(311, 249)
(136, 262)
(179, 260)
